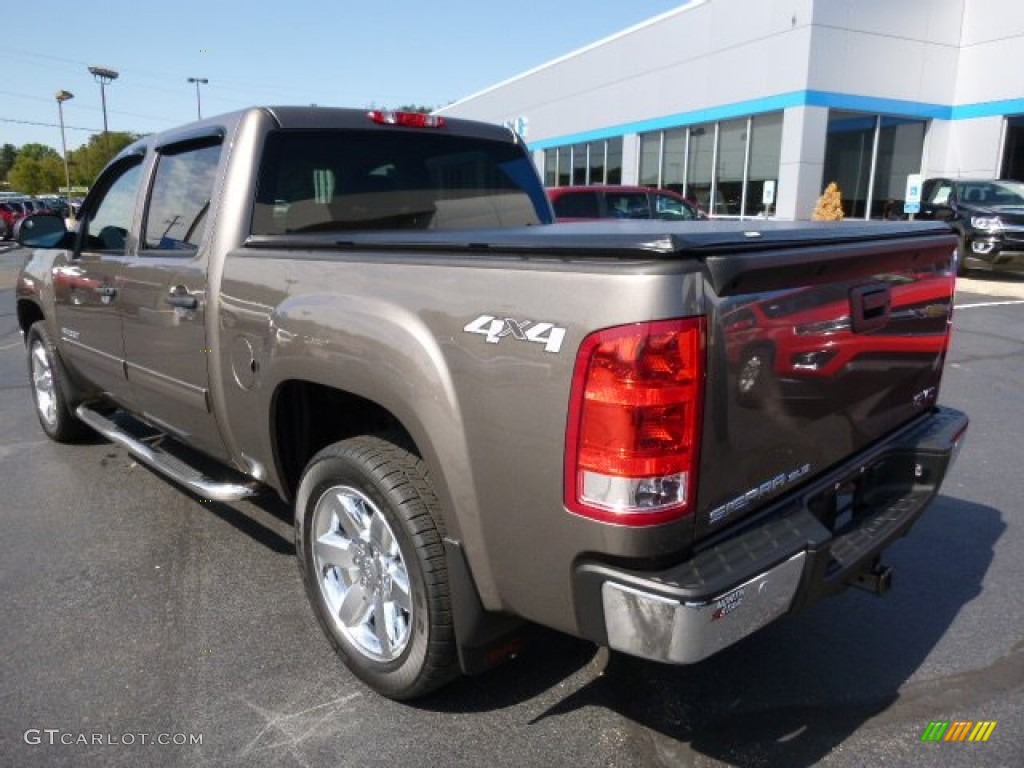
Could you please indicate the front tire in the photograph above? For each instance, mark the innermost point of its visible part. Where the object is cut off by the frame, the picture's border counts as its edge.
(754, 374)
(368, 538)
(961, 264)
(49, 388)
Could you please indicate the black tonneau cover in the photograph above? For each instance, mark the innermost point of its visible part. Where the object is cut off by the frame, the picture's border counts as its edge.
(739, 256)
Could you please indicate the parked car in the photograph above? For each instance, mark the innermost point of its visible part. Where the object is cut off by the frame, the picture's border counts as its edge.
(987, 214)
(806, 345)
(621, 202)
(10, 213)
(53, 204)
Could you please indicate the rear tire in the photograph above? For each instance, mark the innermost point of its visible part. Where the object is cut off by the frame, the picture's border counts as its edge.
(49, 388)
(369, 542)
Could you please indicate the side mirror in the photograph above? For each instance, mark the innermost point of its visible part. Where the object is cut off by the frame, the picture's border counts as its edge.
(41, 230)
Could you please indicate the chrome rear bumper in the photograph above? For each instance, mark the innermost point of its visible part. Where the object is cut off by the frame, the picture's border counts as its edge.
(798, 551)
(653, 627)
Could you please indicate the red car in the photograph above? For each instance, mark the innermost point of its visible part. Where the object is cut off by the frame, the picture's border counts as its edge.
(10, 213)
(806, 337)
(621, 202)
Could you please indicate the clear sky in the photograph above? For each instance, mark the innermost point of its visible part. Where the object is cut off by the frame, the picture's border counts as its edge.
(331, 53)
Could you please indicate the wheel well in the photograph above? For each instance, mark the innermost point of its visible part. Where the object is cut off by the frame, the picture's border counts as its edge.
(28, 313)
(308, 417)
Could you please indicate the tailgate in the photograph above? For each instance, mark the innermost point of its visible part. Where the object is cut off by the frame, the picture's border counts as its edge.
(815, 353)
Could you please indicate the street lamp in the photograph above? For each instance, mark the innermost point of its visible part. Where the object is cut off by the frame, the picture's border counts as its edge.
(63, 96)
(104, 77)
(199, 106)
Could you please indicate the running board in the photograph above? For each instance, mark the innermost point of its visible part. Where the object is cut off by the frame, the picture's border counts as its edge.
(164, 463)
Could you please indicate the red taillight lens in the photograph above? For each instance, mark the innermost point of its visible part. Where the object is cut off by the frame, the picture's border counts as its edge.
(406, 119)
(634, 423)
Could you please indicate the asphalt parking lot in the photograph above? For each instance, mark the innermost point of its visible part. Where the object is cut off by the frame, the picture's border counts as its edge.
(133, 611)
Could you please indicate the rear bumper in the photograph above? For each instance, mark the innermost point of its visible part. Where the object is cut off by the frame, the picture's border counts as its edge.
(808, 546)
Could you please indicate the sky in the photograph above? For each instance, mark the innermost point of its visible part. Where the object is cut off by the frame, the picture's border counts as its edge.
(338, 53)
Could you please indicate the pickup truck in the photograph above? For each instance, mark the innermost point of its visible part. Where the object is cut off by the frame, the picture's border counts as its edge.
(657, 436)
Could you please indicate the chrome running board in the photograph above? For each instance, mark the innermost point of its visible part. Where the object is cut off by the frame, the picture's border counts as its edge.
(164, 463)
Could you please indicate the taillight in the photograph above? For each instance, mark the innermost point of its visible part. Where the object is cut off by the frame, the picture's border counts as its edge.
(634, 423)
(405, 119)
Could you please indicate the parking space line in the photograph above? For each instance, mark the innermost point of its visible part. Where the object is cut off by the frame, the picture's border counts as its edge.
(990, 304)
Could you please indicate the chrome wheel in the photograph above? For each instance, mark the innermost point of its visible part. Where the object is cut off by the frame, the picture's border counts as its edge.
(361, 573)
(42, 383)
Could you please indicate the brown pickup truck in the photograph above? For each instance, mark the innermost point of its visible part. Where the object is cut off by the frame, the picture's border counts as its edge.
(659, 436)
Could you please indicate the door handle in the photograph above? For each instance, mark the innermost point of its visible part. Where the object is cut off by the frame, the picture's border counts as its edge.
(180, 298)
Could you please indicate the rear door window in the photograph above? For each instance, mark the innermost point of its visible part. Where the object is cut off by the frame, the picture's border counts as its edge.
(180, 198)
(628, 205)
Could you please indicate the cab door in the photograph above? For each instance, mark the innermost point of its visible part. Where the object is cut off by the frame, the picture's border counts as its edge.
(87, 284)
(164, 301)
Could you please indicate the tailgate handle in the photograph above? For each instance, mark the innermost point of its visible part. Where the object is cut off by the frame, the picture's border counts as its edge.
(870, 306)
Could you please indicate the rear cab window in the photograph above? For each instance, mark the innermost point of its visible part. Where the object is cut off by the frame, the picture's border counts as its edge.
(577, 205)
(345, 180)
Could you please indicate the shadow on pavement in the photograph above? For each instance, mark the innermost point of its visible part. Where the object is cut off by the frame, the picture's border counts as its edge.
(794, 692)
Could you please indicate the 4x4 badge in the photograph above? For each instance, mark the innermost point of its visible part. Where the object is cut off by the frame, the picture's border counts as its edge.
(497, 328)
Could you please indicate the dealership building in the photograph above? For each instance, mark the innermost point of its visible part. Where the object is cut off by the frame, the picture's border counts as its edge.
(751, 107)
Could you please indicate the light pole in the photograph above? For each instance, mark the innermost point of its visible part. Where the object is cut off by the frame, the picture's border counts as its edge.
(199, 106)
(63, 96)
(104, 77)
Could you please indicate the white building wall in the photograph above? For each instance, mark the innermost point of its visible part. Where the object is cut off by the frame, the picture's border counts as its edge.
(701, 56)
(971, 148)
(906, 50)
(992, 54)
(956, 63)
(989, 85)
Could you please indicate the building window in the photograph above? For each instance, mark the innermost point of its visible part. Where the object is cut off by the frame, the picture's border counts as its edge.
(900, 143)
(650, 163)
(870, 157)
(598, 162)
(613, 167)
(723, 167)
(579, 164)
(1013, 149)
(729, 167)
(763, 167)
(550, 167)
(673, 164)
(699, 164)
(848, 149)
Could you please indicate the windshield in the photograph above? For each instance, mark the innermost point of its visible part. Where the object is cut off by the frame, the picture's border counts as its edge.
(992, 194)
(321, 181)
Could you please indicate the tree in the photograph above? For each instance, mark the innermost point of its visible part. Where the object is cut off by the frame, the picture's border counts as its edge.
(37, 151)
(37, 169)
(87, 161)
(830, 205)
(8, 154)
